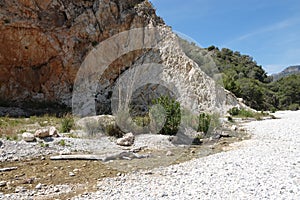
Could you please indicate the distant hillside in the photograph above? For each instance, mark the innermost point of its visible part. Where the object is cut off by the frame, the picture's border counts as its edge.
(246, 79)
(286, 72)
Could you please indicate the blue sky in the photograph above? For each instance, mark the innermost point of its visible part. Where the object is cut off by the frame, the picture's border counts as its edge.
(267, 30)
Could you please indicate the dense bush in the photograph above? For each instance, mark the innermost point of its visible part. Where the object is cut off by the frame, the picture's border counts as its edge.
(245, 113)
(204, 122)
(234, 111)
(171, 115)
(243, 77)
(241, 112)
(294, 107)
(114, 130)
(287, 92)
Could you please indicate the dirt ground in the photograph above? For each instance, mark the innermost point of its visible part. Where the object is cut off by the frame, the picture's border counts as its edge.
(31, 172)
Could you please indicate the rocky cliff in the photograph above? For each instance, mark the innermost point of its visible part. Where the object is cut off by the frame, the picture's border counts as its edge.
(45, 44)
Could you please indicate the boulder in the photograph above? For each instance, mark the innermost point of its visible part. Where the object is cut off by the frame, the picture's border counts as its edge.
(28, 137)
(103, 124)
(100, 120)
(42, 133)
(38, 186)
(126, 140)
(53, 132)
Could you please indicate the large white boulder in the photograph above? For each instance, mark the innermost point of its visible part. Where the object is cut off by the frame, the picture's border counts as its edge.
(42, 133)
(28, 137)
(126, 140)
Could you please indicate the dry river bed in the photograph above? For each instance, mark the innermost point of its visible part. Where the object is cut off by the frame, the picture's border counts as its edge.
(267, 166)
(36, 176)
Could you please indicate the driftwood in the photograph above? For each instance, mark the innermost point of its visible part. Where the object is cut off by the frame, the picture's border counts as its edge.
(7, 169)
(122, 155)
(77, 157)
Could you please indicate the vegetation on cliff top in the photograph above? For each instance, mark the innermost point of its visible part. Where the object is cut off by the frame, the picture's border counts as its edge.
(246, 79)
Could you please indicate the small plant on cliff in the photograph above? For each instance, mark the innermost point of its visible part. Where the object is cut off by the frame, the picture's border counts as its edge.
(172, 115)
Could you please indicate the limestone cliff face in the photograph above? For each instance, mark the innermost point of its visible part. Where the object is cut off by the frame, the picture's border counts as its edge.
(138, 77)
(43, 42)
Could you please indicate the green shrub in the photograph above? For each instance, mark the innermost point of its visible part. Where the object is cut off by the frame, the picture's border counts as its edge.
(273, 110)
(67, 123)
(171, 115)
(246, 113)
(204, 122)
(23, 131)
(241, 112)
(12, 137)
(234, 111)
(62, 143)
(114, 131)
(141, 120)
(42, 144)
(294, 107)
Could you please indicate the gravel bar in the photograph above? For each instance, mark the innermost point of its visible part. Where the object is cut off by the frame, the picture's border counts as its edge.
(265, 167)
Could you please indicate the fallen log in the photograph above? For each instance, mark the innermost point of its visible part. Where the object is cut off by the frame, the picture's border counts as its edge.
(7, 169)
(77, 157)
(122, 155)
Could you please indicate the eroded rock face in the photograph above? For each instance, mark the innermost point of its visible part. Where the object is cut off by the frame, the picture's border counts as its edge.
(43, 42)
(163, 69)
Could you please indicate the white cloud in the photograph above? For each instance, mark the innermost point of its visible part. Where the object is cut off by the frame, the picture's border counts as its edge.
(274, 27)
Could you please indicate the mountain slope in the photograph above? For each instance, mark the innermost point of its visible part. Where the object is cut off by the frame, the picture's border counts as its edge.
(242, 76)
(286, 72)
